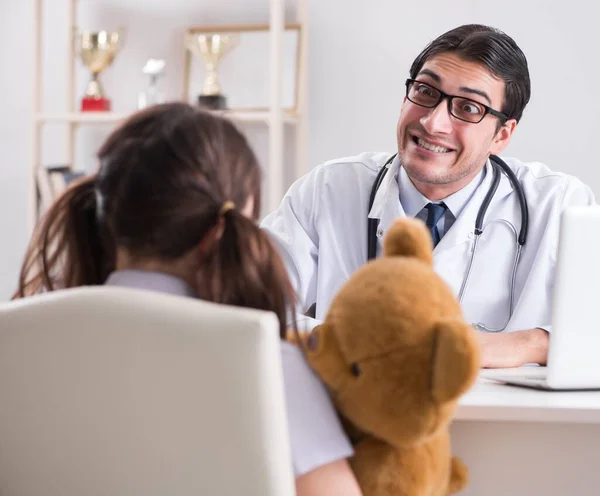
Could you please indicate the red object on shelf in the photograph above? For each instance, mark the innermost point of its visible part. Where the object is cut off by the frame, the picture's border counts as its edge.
(95, 104)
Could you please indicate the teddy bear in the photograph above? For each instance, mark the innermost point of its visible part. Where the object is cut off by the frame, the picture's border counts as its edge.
(396, 354)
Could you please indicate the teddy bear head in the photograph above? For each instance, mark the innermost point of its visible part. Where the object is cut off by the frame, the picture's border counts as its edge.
(394, 349)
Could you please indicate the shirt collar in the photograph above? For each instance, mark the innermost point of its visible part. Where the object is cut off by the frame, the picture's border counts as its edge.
(153, 281)
(410, 197)
(413, 201)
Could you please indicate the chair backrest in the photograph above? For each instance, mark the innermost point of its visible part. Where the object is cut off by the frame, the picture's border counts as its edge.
(114, 391)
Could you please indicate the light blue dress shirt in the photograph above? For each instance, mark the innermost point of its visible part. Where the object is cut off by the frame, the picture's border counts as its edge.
(413, 202)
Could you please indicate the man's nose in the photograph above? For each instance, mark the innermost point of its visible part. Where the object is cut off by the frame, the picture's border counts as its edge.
(438, 120)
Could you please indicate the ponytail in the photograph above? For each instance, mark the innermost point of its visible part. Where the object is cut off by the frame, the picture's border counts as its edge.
(69, 246)
(244, 269)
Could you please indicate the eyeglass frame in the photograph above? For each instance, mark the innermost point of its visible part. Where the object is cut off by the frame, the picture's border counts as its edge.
(446, 96)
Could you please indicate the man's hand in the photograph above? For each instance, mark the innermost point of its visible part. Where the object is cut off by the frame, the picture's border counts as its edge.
(513, 349)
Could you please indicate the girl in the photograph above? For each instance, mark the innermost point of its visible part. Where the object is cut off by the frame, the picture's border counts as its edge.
(173, 208)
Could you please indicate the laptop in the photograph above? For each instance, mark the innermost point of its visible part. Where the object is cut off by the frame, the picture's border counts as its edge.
(574, 348)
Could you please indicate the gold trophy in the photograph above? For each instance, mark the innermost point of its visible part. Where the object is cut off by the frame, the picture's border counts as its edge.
(97, 51)
(210, 48)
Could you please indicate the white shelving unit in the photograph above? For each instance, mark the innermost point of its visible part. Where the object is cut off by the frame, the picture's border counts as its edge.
(274, 118)
(114, 117)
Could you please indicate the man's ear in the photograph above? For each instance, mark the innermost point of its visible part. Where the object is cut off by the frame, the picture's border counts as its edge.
(456, 359)
(324, 356)
(503, 136)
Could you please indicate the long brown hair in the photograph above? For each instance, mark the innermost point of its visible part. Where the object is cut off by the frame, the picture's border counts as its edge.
(163, 179)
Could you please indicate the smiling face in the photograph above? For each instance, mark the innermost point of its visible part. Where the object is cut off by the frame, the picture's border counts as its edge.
(442, 154)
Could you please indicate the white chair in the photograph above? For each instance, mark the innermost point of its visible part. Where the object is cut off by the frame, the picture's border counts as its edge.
(112, 391)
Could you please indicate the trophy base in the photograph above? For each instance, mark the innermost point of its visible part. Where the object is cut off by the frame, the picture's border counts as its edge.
(212, 102)
(89, 104)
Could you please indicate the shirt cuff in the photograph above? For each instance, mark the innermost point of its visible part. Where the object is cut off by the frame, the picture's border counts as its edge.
(306, 324)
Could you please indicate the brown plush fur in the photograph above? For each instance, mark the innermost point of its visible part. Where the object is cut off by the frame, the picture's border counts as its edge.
(396, 354)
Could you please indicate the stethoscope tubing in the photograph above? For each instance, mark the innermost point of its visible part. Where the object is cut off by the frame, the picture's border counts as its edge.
(499, 166)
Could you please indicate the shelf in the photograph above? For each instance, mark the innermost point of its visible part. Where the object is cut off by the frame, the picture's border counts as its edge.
(256, 116)
(260, 116)
(82, 117)
(274, 124)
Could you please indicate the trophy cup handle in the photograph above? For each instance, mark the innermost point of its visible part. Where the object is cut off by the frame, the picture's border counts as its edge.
(122, 30)
(188, 43)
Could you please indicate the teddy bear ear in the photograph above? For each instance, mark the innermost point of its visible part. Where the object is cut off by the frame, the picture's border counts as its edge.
(409, 238)
(314, 339)
(456, 359)
(325, 357)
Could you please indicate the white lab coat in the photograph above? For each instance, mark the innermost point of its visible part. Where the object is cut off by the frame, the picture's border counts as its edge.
(321, 231)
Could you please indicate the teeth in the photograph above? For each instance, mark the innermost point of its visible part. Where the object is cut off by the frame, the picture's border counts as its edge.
(433, 148)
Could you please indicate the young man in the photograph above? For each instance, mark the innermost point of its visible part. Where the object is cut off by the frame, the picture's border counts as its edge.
(465, 96)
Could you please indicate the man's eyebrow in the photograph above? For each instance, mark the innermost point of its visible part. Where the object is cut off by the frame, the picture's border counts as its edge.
(465, 89)
(431, 74)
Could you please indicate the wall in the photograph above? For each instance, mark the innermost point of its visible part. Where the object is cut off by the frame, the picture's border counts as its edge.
(359, 55)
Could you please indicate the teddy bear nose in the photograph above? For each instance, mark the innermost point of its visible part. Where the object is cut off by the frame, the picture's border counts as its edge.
(355, 369)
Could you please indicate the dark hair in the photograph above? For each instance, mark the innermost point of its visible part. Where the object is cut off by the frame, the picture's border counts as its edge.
(163, 179)
(495, 50)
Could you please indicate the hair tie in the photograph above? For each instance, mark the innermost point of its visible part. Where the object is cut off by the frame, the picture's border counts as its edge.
(99, 204)
(226, 207)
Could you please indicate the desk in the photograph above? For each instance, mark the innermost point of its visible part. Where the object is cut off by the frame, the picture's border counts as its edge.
(524, 442)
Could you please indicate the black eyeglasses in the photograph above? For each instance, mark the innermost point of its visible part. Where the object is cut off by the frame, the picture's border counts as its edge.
(464, 109)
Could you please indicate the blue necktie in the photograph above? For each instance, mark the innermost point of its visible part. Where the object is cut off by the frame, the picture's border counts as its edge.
(434, 214)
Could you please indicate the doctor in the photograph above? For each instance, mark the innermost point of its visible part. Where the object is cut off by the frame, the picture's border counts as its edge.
(466, 93)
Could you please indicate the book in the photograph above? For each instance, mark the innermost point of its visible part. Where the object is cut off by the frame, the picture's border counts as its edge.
(52, 181)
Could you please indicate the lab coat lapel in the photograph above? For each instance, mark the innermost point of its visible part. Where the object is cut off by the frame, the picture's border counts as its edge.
(386, 205)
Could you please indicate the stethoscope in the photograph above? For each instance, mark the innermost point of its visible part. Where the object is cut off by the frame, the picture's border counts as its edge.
(499, 166)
